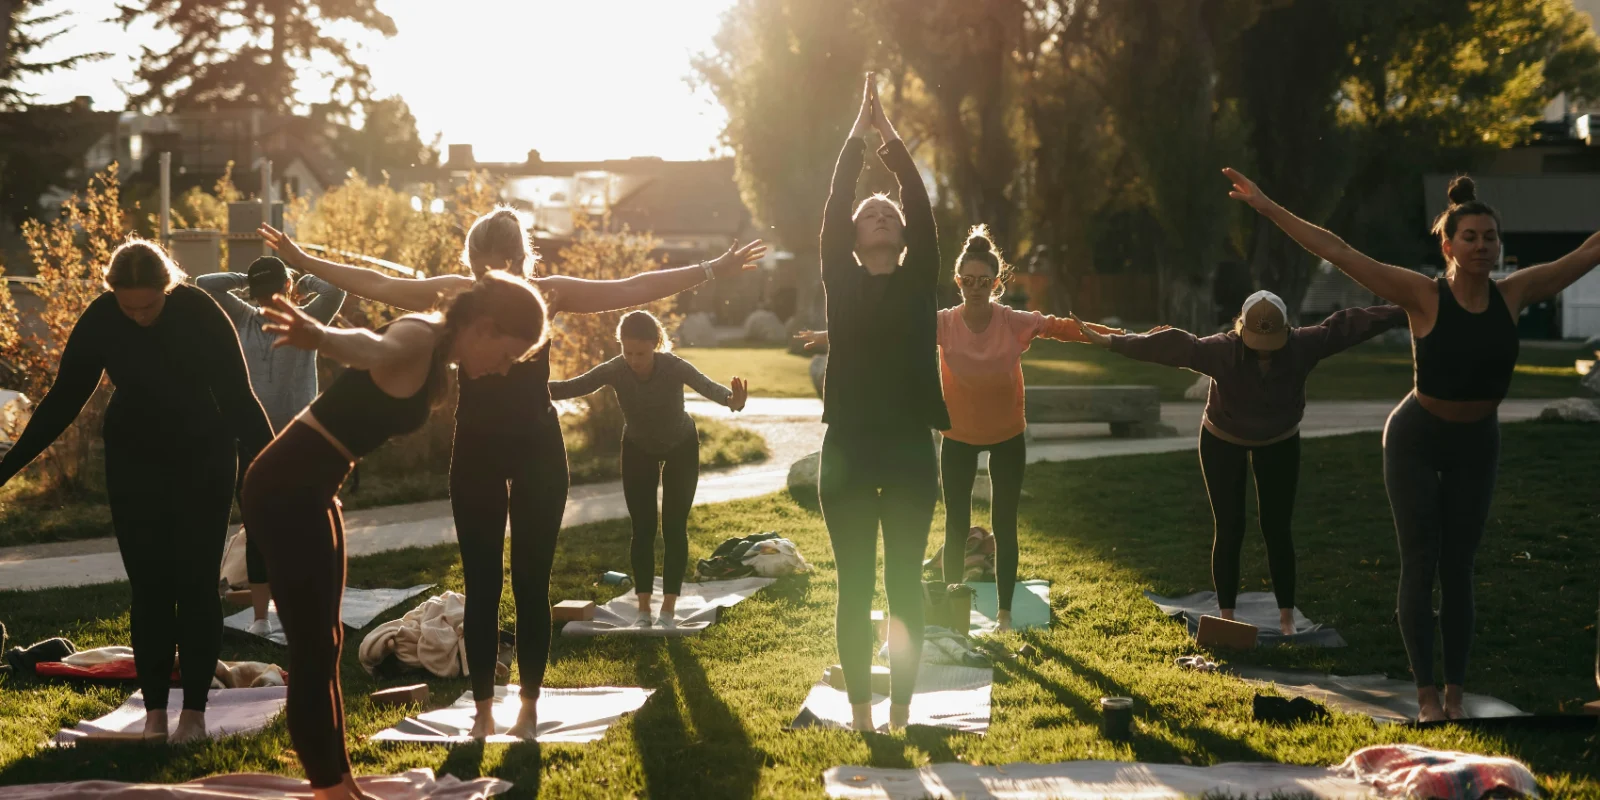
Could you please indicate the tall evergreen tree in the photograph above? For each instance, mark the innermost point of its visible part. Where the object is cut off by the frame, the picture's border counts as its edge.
(26, 26)
(246, 53)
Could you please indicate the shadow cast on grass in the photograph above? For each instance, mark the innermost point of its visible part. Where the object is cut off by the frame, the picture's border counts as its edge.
(670, 746)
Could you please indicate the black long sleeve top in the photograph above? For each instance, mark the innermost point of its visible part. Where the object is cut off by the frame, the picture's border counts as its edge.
(180, 379)
(883, 356)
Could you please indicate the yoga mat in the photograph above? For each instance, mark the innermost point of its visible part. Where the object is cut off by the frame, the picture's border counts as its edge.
(1256, 608)
(228, 712)
(698, 607)
(1382, 698)
(946, 697)
(1030, 605)
(415, 784)
(565, 715)
(360, 608)
(1083, 780)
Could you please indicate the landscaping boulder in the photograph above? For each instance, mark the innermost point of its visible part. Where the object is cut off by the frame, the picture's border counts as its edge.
(1591, 382)
(1572, 409)
(1201, 388)
(803, 473)
(697, 330)
(819, 370)
(764, 327)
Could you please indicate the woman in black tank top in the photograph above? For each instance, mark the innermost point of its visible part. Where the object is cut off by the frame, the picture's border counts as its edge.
(1441, 445)
(394, 378)
(509, 459)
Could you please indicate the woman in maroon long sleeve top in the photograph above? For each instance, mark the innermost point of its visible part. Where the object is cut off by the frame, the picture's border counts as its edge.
(1253, 410)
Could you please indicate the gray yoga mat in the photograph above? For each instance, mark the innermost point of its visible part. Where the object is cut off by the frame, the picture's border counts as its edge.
(1382, 698)
(1256, 608)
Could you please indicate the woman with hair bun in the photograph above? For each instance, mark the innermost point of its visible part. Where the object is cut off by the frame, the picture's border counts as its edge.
(181, 427)
(395, 376)
(1441, 446)
(660, 447)
(981, 342)
(508, 459)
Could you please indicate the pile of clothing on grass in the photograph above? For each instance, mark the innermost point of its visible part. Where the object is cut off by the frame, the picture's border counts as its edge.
(60, 658)
(978, 564)
(767, 555)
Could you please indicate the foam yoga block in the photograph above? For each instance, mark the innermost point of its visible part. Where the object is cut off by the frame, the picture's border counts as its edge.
(573, 611)
(1219, 632)
(401, 695)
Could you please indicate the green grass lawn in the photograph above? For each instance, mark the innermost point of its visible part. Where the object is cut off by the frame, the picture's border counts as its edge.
(1102, 531)
(388, 477)
(1370, 372)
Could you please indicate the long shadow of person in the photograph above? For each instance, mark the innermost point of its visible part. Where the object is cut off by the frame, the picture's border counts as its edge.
(712, 742)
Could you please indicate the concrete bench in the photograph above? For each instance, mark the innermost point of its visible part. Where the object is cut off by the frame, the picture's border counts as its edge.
(1131, 411)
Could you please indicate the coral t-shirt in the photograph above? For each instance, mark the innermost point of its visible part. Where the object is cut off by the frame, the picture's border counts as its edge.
(982, 372)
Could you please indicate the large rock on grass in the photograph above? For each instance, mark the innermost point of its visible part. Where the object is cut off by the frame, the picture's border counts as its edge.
(1571, 409)
(697, 330)
(764, 327)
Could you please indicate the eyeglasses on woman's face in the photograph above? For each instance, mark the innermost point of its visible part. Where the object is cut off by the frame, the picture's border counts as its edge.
(974, 281)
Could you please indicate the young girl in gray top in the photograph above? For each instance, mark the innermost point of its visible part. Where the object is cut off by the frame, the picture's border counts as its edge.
(660, 446)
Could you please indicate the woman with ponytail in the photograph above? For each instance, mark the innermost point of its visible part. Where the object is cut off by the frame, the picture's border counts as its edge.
(1441, 446)
(509, 459)
(981, 342)
(394, 378)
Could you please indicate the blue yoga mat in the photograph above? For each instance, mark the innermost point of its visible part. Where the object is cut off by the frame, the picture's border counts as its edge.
(1030, 605)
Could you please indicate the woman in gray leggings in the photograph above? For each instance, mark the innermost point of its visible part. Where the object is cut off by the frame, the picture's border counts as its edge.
(1442, 443)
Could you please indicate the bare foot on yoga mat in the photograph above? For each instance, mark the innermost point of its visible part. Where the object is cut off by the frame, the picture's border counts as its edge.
(155, 724)
(669, 609)
(1429, 708)
(527, 727)
(483, 720)
(1003, 621)
(1455, 699)
(191, 727)
(1286, 621)
(899, 716)
(861, 717)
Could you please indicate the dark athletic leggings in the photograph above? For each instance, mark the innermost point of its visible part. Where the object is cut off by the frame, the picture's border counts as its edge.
(677, 472)
(1440, 476)
(290, 508)
(1277, 470)
(872, 477)
(958, 466)
(523, 477)
(169, 509)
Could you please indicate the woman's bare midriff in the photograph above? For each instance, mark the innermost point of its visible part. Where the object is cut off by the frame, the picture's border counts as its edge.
(311, 422)
(1458, 410)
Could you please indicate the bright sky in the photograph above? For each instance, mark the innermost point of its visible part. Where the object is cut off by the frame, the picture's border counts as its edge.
(574, 79)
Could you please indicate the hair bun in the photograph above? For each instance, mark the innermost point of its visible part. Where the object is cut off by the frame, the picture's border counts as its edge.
(1462, 190)
(979, 242)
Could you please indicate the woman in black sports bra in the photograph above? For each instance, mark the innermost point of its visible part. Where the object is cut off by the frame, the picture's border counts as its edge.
(1442, 443)
(395, 377)
(509, 458)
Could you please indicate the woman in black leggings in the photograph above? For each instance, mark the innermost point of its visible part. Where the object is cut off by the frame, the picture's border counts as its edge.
(660, 447)
(181, 425)
(395, 376)
(1257, 398)
(1442, 443)
(509, 458)
(881, 403)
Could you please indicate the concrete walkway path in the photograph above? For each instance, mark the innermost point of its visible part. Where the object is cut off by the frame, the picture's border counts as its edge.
(792, 427)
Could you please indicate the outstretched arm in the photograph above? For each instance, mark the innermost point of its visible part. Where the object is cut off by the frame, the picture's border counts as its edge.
(1071, 329)
(1525, 287)
(329, 298)
(1348, 328)
(76, 380)
(709, 389)
(586, 384)
(583, 296)
(357, 348)
(411, 294)
(1171, 347)
(1400, 286)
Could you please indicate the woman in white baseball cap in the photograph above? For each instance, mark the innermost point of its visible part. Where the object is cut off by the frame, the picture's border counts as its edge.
(1258, 376)
(1441, 446)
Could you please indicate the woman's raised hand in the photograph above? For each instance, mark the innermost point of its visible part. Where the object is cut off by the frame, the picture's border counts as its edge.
(880, 120)
(1246, 190)
(283, 245)
(1090, 335)
(741, 393)
(813, 339)
(738, 259)
(864, 121)
(293, 326)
